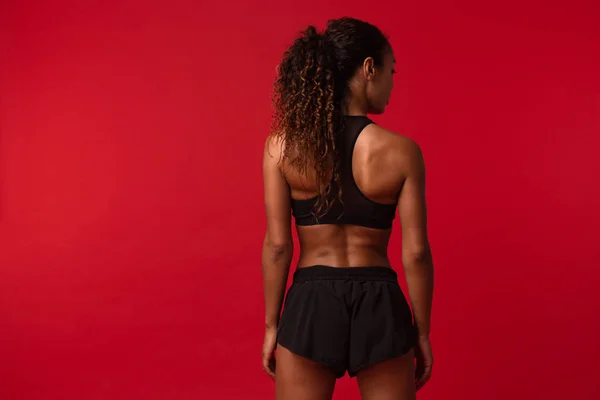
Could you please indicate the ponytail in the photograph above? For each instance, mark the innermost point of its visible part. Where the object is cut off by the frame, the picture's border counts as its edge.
(309, 109)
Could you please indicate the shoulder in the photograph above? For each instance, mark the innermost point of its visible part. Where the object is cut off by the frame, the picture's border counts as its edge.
(397, 149)
(273, 148)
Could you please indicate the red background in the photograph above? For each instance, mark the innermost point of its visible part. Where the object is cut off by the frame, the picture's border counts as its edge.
(131, 209)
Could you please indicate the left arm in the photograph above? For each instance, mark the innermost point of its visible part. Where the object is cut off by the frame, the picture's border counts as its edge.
(278, 245)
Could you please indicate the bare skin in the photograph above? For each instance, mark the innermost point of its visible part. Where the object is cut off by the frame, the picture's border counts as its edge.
(388, 168)
(377, 161)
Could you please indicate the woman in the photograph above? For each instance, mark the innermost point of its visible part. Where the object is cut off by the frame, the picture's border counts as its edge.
(342, 177)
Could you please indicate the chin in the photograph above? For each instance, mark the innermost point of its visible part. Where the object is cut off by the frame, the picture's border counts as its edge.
(377, 111)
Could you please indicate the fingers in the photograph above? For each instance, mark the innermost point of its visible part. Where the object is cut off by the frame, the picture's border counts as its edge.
(424, 362)
(269, 365)
(423, 377)
(423, 371)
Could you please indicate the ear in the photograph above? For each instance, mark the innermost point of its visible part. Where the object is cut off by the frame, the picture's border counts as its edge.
(369, 68)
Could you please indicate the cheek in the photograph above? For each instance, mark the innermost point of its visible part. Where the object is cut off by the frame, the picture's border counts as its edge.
(373, 92)
(378, 93)
(385, 90)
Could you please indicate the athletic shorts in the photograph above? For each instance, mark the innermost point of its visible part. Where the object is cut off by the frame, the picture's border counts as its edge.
(346, 318)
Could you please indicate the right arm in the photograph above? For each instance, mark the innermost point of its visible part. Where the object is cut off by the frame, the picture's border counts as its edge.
(416, 252)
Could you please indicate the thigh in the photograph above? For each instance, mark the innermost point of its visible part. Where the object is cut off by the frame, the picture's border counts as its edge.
(393, 379)
(298, 378)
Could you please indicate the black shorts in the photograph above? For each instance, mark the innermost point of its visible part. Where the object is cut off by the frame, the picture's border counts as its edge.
(346, 318)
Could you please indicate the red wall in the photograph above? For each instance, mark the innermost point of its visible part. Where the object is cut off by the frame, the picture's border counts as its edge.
(131, 214)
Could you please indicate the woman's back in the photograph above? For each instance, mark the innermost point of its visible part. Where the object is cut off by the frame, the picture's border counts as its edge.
(357, 232)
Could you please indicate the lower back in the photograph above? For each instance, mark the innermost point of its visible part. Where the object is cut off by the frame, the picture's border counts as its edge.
(343, 246)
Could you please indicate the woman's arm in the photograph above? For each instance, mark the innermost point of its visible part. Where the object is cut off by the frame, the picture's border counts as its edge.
(416, 254)
(278, 245)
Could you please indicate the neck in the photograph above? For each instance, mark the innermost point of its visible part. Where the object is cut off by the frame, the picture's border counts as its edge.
(357, 110)
(356, 104)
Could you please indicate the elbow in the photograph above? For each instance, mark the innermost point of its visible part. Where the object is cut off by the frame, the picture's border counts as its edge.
(278, 251)
(280, 248)
(417, 257)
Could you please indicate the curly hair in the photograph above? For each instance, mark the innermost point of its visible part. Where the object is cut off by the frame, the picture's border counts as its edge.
(311, 94)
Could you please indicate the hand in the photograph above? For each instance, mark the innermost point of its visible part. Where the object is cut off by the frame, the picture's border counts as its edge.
(268, 351)
(424, 357)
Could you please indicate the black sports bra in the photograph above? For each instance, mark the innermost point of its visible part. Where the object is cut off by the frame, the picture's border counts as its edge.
(357, 209)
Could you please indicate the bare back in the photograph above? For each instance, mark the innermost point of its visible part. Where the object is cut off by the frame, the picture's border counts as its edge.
(380, 165)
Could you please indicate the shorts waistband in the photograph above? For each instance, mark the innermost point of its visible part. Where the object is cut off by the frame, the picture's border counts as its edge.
(323, 272)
